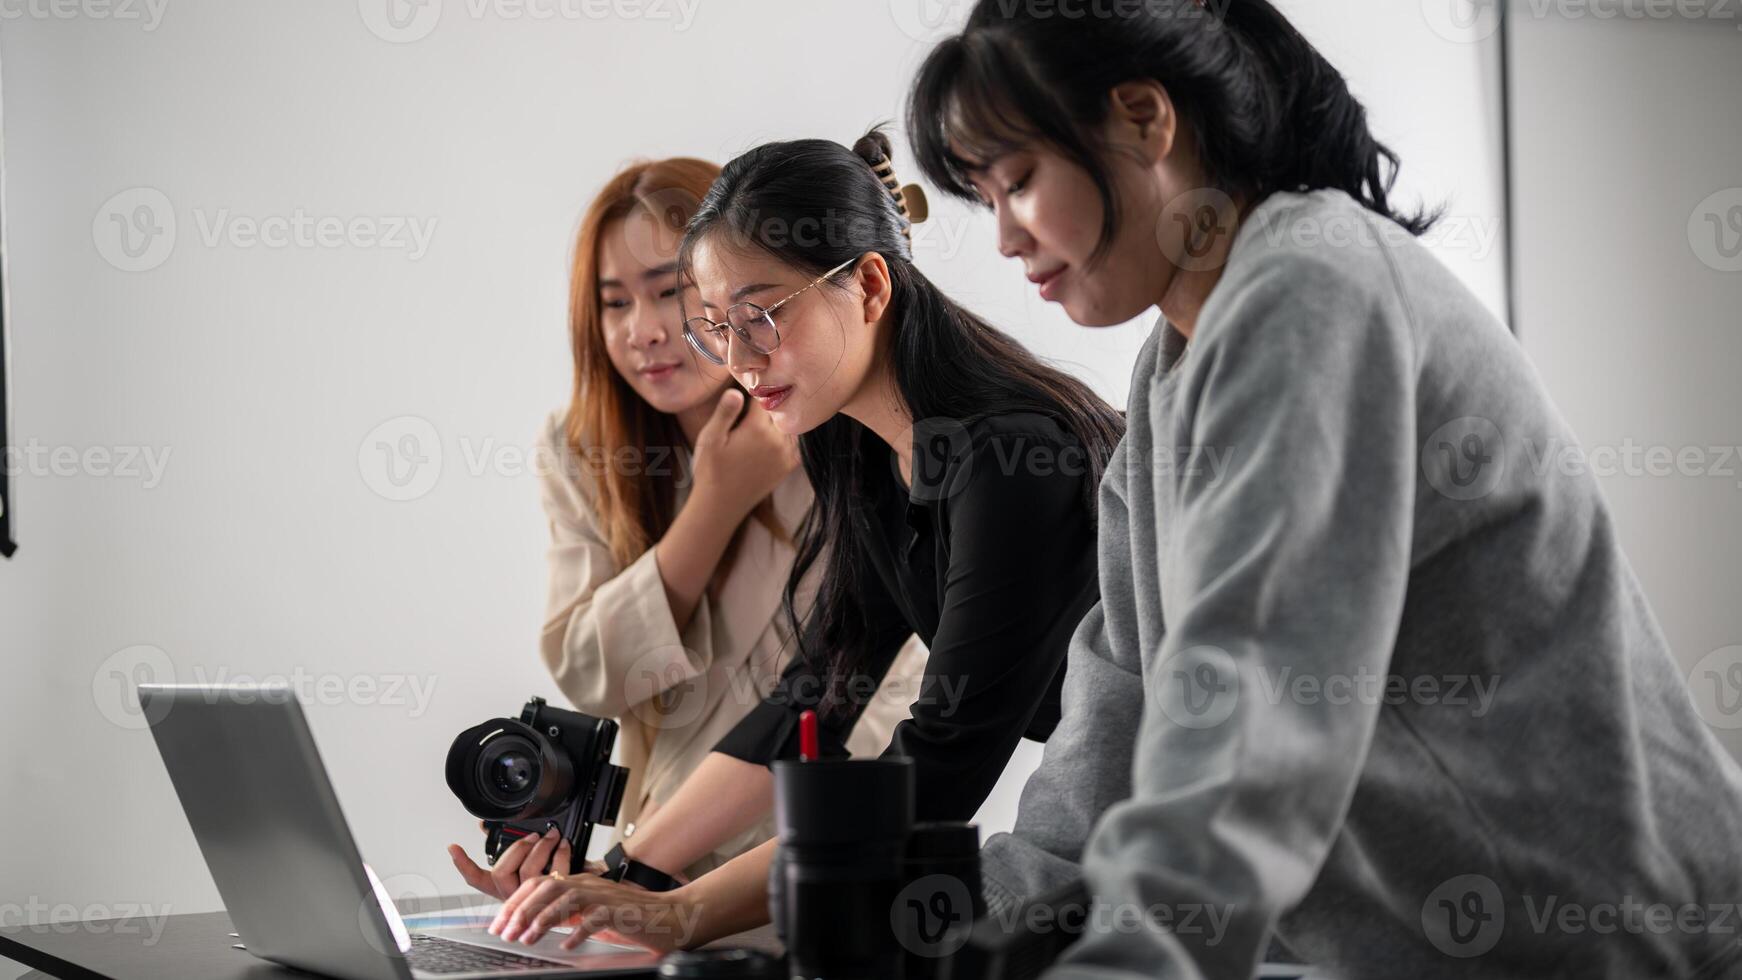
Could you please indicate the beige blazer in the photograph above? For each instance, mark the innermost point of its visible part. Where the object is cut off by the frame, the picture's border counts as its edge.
(615, 651)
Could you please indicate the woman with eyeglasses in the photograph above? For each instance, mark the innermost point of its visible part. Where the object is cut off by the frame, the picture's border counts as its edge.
(954, 476)
(672, 513)
(1365, 679)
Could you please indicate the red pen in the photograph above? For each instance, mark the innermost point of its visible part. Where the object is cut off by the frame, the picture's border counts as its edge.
(807, 736)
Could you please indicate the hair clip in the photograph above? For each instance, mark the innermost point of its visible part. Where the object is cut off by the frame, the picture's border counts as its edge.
(910, 199)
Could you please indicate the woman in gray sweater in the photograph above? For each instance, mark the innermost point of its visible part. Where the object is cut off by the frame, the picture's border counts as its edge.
(1366, 677)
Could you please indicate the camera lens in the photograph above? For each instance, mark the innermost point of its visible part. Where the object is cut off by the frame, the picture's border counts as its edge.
(505, 770)
(508, 771)
(513, 773)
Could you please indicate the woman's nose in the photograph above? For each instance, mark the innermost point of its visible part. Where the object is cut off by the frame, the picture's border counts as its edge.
(647, 329)
(1013, 239)
(740, 356)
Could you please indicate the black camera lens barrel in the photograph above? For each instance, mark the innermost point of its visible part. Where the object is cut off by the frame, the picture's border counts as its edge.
(843, 828)
(474, 778)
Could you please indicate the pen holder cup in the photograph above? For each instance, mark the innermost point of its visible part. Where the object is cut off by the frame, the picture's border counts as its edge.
(843, 827)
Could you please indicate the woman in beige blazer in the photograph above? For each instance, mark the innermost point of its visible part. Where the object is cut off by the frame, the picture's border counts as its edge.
(672, 509)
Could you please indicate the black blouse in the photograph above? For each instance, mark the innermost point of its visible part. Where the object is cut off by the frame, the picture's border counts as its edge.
(990, 558)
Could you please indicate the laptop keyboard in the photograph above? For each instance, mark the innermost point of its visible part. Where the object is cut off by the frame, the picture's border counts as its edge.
(433, 954)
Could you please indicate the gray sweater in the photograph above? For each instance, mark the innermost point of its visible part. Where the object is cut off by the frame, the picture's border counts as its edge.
(1366, 677)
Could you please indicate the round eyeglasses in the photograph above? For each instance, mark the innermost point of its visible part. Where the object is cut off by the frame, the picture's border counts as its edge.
(753, 325)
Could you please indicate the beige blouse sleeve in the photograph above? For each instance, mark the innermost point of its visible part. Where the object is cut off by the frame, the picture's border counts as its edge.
(609, 640)
(893, 703)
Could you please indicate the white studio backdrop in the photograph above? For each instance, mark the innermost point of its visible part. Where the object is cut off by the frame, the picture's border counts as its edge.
(231, 514)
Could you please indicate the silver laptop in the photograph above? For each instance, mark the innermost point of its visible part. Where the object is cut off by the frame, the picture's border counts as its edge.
(270, 828)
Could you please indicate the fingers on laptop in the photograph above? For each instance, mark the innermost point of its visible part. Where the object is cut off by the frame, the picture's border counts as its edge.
(519, 909)
(594, 922)
(551, 905)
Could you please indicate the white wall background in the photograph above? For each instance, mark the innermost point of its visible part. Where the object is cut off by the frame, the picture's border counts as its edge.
(1629, 302)
(261, 373)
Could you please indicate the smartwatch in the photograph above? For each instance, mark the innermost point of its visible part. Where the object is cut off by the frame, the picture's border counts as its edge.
(621, 867)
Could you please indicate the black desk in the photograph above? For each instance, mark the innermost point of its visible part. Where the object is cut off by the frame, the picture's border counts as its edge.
(191, 947)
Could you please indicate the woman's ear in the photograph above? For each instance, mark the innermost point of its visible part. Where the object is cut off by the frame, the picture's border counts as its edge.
(874, 281)
(1142, 117)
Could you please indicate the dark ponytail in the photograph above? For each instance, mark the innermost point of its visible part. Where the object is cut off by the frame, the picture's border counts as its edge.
(1270, 113)
(814, 204)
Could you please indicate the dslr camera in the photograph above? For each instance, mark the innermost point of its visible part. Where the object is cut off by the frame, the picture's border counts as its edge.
(550, 768)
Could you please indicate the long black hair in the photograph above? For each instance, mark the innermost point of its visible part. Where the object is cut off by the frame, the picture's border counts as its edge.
(814, 204)
(1270, 113)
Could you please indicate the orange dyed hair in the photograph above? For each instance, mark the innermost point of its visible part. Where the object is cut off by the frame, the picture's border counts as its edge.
(636, 504)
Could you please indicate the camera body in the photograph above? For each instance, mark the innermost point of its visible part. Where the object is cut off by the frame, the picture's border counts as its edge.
(549, 768)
